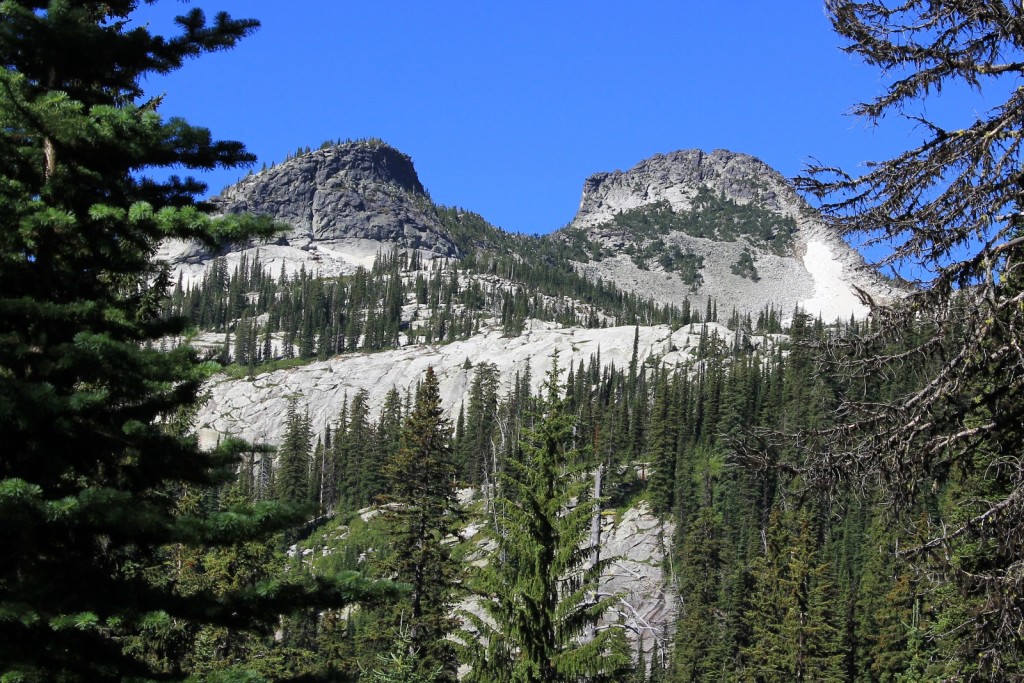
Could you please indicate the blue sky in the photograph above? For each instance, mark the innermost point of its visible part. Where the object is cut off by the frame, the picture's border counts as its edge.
(506, 108)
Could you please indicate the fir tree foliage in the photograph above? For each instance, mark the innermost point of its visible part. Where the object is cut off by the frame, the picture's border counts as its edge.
(92, 466)
(422, 515)
(540, 590)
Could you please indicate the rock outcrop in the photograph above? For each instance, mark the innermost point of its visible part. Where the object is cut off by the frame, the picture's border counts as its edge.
(639, 544)
(255, 409)
(675, 178)
(636, 541)
(363, 190)
(342, 203)
(346, 203)
(815, 269)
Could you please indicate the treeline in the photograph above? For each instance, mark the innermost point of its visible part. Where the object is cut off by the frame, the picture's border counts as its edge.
(405, 300)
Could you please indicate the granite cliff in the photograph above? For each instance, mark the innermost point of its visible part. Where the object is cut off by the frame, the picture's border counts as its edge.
(721, 225)
(343, 204)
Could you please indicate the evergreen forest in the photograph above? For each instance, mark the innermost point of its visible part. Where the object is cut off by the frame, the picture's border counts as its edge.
(839, 500)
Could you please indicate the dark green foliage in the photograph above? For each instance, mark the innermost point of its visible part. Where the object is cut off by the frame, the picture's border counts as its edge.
(401, 665)
(539, 587)
(677, 436)
(671, 258)
(100, 483)
(309, 317)
(478, 445)
(793, 610)
(701, 647)
(131, 555)
(292, 478)
(421, 516)
(358, 465)
(544, 265)
(744, 266)
(662, 446)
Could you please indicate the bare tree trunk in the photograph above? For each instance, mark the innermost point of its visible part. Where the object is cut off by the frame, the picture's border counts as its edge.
(49, 151)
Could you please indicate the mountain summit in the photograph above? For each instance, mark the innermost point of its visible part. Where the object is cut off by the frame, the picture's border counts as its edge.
(721, 225)
(344, 203)
(684, 226)
(361, 190)
(677, 177)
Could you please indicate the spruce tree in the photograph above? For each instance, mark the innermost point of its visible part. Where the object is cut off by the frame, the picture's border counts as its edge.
(540, 588)
(293, 458)
(661, 447)
(91, 467)
(700, 651)
(793, 613)
(422, 515)
(481, 422)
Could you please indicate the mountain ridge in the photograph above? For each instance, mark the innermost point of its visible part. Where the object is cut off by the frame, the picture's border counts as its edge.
(345, 204)
(770, 246)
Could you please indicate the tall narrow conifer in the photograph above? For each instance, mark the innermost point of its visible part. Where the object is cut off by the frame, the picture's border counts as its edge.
(422, 516)
(539, 590)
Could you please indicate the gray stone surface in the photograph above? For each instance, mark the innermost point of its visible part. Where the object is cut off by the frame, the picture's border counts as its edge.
(819, 274)
(255, 409)
(365, 190)
(355, 191)
(348, 202)
(639, 544)
(675, 178)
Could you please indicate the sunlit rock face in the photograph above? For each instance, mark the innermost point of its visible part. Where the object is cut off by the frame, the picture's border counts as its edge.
(364, 190)
(342, 205)
(806, 266)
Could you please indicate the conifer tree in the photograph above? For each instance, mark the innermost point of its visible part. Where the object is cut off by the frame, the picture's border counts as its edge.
(662, 447)
(949, 210)
(539, 591)
(700, 652)
(422, 515)
(481, 421)
(389, 428)
(356, 465)
(291, 480)
(792, 616)
(91, 465)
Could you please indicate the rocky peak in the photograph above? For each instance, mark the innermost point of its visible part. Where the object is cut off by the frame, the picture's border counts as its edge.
(718, 225)
(354, 190)
(676, 177)
(362, 163)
